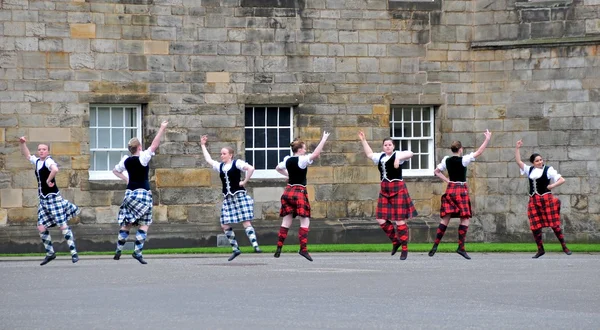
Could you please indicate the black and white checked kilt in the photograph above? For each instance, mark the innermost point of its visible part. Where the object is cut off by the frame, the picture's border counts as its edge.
(136, 208)
(55, 211)
(543, 211)
(237, 208)
(456, 201)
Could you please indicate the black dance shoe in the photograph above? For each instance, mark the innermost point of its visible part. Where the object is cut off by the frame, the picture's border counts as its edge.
(395, 248)
(139, 258)
(433, 250)
(403, 255)
(48, 259)
(539, 254)
(75, 258)
(305, 255)
(257, 250)
(117, 255)
(463, 253)
(234, 255)
(277, 252)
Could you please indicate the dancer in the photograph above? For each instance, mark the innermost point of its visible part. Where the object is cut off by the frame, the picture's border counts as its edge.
(543, 209)
(53, 210)
(294, 201)
(136, 209)
(394, 203)
(456, 202)
(237, 206)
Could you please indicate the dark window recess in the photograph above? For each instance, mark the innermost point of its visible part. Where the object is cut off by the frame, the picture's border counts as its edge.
(270, 3)
(415, 4)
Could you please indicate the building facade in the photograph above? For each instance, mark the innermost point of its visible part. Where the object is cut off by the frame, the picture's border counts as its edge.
(85, 76)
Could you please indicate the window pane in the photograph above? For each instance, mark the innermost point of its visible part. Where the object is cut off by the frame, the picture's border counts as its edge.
(93, 117)
(272, 138)
(117, 117)
(130, 134)
(259, 116)
(407, 130)
(272, 160)
(101, 160)
(397, 115)
(424, 146)
(282, 154)
(271, 116)
(406, 165)
(404, 145)
(103, 117)
(417, 114)
(118, 137)
(426, 129)
(114, 158)
(284, 117)
(131, 117)
(424, 161)
(259, 160)
(426, 114)
(259, 138)
(397, 145)
(414, 163)
(103, 138)
(284, 137)
(397, 130)
(249, 157)
(249, 138)
(93, 138)
(406, 115)
(414, 146)
(417, 130)
(248, 116)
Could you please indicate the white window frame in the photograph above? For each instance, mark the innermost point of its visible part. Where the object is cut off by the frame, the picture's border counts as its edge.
(430, 138)
(109, 175)
(270, 173)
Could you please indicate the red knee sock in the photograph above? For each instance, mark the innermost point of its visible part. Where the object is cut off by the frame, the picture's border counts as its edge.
(303, 238)
(283, 232)
(388, 228)
(462, 233)
(403, 236)
(440, 233)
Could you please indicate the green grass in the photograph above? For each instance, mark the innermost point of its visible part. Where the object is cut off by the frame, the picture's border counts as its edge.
(361, 248)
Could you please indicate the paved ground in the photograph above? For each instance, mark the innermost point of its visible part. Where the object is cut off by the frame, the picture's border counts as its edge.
(336, 291)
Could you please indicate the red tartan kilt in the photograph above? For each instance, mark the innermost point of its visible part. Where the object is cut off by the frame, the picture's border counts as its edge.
(294, 201)
(543, 211)
(456, 201)
(394, 203)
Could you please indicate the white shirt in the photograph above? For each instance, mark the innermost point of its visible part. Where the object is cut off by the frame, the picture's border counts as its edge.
(240, 164)
(537, 173)
(376, 155)
(49, 162)
(466, 160)
(145, 157)
(303, 161)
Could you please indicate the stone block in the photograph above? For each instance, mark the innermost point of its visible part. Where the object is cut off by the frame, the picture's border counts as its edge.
(355, 174)
(11, 198)
(24, 179)
(83, 30)
(267, 194)
(177, 213)
(106, 214)
(22, 216)
(320, 174)
(186, 196)
(156, 47)
(218, 77)
(45, 135)
(183, 178)
(3, 217)
(65, 148)
(160, 213)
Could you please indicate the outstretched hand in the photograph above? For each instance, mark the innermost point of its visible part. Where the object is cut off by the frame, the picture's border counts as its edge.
(488, 134)
(325, 135)
(164, 124)
(519, 143)
(22, 139)
(361, 135)
(203, 139)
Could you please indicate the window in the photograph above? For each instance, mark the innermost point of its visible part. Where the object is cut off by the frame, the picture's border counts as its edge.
(412, 129)
(111, 127)
(415, 4)
(268, 136)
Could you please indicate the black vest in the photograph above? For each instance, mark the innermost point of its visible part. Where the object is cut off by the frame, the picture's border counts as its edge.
(387, 171)
(297, 175)
(456, 171)
(231, 179)
(42, 176)
(540, 185)
(138, 174)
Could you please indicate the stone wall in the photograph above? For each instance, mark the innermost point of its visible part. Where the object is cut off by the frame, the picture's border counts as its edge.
(525, 70)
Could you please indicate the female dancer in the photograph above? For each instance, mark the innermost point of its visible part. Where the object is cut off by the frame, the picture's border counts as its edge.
(394, 203)
(237, 206)
(456, 202)
(543, 209)
(294, 200)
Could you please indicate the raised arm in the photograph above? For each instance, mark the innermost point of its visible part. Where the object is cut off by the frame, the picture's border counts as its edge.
(207, 157)
(488, 137)
(518, 154)
(161, 132)
(23, 145)
(365, 144)
(315, 154)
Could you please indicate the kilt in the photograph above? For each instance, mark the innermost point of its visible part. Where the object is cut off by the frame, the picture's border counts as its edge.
(237, 208)
(55, 211)
(136, 208)
(456, 201)
(394, 203)
(543, 211)
(294, 201)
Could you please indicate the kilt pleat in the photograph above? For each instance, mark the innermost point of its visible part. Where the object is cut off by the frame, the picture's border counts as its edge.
(456, 201)
(543, 211)
(136, 208)
(394, 202)
(237, 208)
(54, 210)
(294, 201)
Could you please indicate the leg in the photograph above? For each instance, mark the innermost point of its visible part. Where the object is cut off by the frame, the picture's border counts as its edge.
(303, 237)
(537, 236)
(251, 236)
(439, 234)
(121, 240)
(389, 230)
(140, 239)
(283, 231)
(462, 234)
(403, 238)
(561, 239)
(47, 241)
(66, 231)
(234, 244)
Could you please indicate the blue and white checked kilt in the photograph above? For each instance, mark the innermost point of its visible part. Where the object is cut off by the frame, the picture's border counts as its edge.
(237, 208)
(55, 211)
(136, 208)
